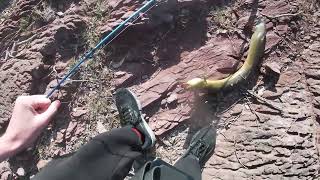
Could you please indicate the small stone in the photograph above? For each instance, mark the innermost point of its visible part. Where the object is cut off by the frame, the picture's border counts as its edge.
(56, 152)
(289, 77)
(42, 163)
(172, 98)
(72, 125)
(21, 172)
(60, 14)
(60, 137)
(79, 130)
(242, 22)
(237, 109)
(314, 35)
(100, 127)
(261, 91)
(307, 38)
(271, 95)
(119, 74)
(274, 67)
(163, 102)
(79, 113)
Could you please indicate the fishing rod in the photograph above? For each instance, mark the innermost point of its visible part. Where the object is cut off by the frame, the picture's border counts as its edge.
(105, 41)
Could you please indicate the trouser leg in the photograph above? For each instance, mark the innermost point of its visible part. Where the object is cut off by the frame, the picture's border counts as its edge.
(108, 156)
(189, 165)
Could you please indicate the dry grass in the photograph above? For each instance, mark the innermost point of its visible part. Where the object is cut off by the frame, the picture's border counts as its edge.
(93, 88)
(221, 19)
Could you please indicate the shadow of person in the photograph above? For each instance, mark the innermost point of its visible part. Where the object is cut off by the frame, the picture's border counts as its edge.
(208, 106)
(4, 4)
(159, 43)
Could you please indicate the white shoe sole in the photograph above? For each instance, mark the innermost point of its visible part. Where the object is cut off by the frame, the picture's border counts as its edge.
(145, 126)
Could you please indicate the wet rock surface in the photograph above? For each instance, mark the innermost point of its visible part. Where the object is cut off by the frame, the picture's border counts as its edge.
(268, 127)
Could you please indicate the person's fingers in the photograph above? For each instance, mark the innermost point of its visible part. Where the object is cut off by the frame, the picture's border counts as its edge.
(39, 102)
(46, 116)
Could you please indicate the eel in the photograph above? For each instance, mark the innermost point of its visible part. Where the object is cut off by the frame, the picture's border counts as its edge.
(256, 51)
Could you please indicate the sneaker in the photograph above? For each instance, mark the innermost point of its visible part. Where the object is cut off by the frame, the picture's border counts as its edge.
(130, 114)
(202, 145)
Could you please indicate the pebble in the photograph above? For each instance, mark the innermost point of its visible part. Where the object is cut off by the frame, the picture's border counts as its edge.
(119, 73)
(21, 171)
(172, 98)
(78, 113)
(100, 127)
(273, 66)
(314, 35)
(307, 38)
(60, 14)
(42, 163)
(237, 109)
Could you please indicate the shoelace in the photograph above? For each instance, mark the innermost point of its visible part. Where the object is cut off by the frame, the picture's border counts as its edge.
(200, 148)
(129, 116)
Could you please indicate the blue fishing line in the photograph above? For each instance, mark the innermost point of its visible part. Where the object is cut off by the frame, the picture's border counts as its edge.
(104, 41)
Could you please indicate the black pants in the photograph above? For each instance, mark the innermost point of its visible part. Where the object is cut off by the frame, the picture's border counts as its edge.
(108, 156)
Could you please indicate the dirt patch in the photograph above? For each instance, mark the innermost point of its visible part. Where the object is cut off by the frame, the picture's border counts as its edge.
(268, 127)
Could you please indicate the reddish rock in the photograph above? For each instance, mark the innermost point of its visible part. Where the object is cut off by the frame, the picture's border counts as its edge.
(273, 94)
(272, 40)
(70, 130)
(274, 67)
(172, 98)
(289, 77)
(79, 130)
(237, 109)
(60, 137)
(276, 8)
(79, 112)
(203, 62)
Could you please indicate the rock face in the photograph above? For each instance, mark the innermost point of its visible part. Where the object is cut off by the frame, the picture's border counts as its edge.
(215, 58)
(311, 58)
(26, 70)
(269, 132)
(206, 61)
(265, 139)
(270, 143)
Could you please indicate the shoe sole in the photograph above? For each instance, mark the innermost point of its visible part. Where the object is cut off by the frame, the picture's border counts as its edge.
(143, 124)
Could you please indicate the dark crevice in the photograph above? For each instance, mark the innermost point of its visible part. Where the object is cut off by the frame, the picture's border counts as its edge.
(292, 147)
(293, 133)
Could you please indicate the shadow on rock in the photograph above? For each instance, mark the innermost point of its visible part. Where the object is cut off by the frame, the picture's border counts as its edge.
(4, 4)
